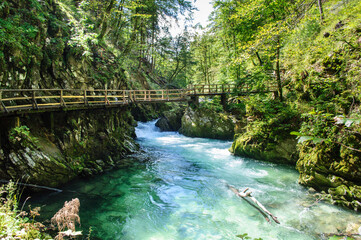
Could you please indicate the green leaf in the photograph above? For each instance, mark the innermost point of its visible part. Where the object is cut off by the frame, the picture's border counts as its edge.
(303, 139)
(318, 140)
(296, 133)
(349, 122)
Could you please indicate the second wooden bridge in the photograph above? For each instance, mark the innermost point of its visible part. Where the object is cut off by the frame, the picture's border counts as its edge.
(30, 100)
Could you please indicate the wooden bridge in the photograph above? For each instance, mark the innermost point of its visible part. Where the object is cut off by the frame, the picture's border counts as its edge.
(15, 101)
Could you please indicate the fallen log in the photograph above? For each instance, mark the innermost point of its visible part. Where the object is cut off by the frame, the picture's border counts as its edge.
(254, 203)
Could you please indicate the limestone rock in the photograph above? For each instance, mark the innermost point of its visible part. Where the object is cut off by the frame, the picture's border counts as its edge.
(323, 168)
(281, 150)
(81, 143)
(170, 120)
(203, 122)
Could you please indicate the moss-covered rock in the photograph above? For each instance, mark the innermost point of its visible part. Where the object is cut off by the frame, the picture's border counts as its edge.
(171, 120)
(203, 122)
(68, 144)
(258, 145)
(337, 175)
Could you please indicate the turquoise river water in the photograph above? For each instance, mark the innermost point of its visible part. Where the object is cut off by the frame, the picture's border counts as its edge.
(178, 189)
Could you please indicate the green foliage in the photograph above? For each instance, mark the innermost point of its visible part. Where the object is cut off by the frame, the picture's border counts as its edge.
(21, 136)
(19, 35)
(319, 127)
(213, 104)
(13, 223)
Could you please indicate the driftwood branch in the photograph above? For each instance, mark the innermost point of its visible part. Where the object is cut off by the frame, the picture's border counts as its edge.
(33, 186)
(254, 203)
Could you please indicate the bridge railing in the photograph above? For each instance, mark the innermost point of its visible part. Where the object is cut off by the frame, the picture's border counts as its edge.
(21, 99)
(209, 89)
(35, 99)
(157, 95)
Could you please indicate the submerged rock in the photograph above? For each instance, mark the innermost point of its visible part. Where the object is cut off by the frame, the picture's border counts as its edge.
(203, 122)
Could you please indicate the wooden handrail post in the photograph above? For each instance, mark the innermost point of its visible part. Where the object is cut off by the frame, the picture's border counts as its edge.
(1, 102)
(35, 105)
(168, 94)
(85, 98)
(123, 96)
(106, 97)
(62, 101)
(2, 105)
(162, 94)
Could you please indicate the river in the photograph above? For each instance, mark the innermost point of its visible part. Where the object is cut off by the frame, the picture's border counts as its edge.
(177, 189)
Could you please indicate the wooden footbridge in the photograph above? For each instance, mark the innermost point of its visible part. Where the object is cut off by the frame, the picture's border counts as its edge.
(16, 101)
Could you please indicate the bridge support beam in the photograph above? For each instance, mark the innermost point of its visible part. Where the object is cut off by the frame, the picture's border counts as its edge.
(52, 122)
(48, 118)
(224, 101)
(17, 122)
(194, 101)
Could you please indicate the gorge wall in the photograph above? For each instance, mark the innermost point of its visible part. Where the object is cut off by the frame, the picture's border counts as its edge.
(46, 45)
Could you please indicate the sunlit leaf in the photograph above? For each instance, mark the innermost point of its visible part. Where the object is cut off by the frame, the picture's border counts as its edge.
(303, 139)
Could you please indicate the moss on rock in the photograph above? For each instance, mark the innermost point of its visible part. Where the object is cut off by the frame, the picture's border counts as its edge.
(203, 122)
(258, 144)
(171, 120)
(325, 169)
(74, 143)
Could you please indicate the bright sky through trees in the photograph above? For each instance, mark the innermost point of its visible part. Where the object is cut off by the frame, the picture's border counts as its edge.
(200, 16)
(204, 10)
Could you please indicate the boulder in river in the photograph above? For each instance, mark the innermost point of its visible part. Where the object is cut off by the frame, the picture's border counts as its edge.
(204, 122)
(171, 120)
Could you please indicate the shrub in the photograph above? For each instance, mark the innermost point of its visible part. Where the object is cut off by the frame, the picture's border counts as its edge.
(21, 136)
(13, 223)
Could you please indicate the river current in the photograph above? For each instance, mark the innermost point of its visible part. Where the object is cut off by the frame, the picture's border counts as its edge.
(177, 189)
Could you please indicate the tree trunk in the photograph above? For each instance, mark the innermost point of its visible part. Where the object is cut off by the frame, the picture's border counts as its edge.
(104, 22)
(278, 72)
(259, 59)
(321, 10)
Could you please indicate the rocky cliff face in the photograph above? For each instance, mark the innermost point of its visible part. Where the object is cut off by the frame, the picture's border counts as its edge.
(59, 146)
(45, 44)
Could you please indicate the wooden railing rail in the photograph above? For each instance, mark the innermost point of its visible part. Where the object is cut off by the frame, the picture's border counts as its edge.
(201, 89)
(12, 100)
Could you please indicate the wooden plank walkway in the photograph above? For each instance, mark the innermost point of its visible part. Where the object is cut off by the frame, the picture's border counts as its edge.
(22, 100)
